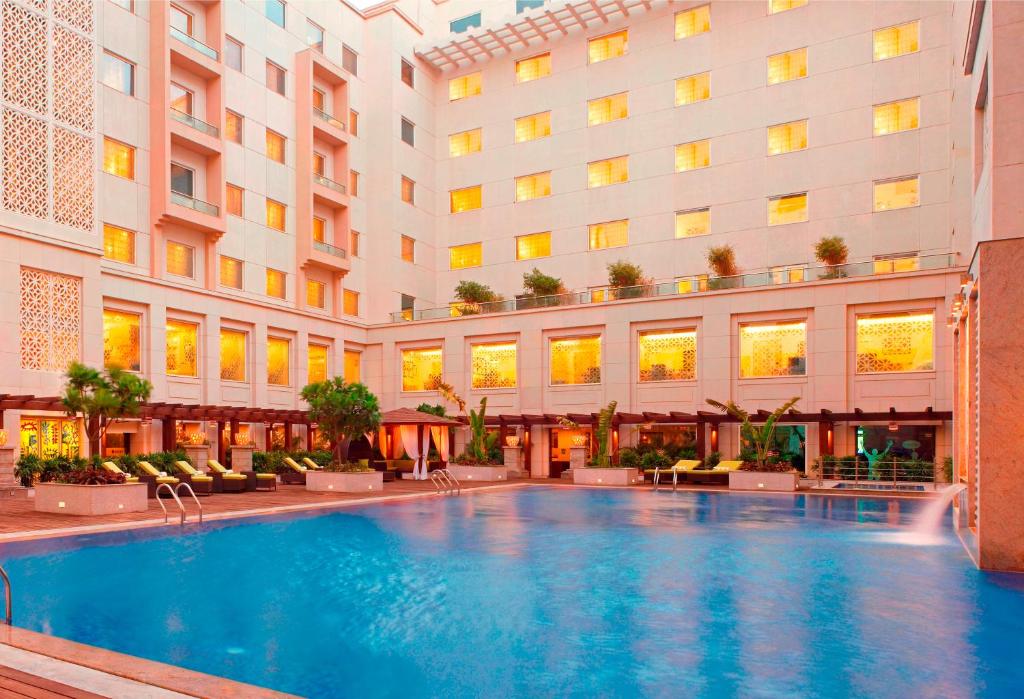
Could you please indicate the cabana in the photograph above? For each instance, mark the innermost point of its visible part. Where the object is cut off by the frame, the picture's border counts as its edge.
(410, 430)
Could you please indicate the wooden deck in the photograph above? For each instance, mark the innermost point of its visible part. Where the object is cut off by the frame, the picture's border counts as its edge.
(15, 683)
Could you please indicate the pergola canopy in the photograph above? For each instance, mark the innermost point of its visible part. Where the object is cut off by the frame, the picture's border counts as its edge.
(409, 416)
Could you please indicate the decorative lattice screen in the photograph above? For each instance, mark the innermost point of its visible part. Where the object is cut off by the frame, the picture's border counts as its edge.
(49, 320)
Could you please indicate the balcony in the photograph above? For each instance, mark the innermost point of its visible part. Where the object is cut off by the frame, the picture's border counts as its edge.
(327, 191)
(194, 43)
(324, 116)
(195, 122)
(329, 249)
(329, 183)
(326, 256)
(191, 202)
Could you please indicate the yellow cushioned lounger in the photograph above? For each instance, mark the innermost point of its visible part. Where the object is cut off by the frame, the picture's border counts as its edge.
(293, 465)
(310, 464)
(226, 473)
(186, 468)
(151, 470)
(114, 468)
(686, 465)
(728, 466)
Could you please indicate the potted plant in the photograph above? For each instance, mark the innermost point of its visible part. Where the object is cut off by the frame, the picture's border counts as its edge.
(477, 462)
(765, 471)
(540, 290)
(833, 253)
(722, 261)
(472, 295)
(600, 470)
(627, 280)
(341, 411)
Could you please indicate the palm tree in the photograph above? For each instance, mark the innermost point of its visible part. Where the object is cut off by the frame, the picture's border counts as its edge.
(762, 437)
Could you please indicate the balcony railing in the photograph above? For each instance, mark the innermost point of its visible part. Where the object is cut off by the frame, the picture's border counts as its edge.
(191, 202)
(195, 122)
(324, 116)
(194, 43)
(329, 183)
(681, 286)
(329, 249)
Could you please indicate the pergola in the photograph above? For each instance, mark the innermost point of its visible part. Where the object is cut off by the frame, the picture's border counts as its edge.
(408, 417)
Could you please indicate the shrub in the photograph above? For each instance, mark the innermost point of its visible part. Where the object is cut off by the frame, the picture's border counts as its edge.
(89, 476)
(722, 260)
(347, 467)
(947, 468)
(624, 274)
(431, 409)
(629, 458)
(536, 283)
(655, 459)
(712, 460)
(27, 469)
(831, 250)
(475, 292)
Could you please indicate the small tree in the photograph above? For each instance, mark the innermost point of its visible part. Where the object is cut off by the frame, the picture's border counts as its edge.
(760, 437)
(831, 250)
(722, 260)
(474, 292)
(603, 457)
(342, 411)
(623, 274)
(101, 397)
(429, 409)
(536, 283)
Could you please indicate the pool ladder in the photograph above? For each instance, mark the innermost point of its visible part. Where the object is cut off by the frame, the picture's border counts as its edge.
(7, 596)
(657, 477)
(445, 483)
(181, 507)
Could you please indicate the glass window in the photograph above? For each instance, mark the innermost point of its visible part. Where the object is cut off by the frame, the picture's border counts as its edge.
(421, 368)
(533, 186)
(350, 302)
(235, 199)
(897, 263)
(463, 256)
(278, 360)
(788, 208)
(457, 26)
(776, 6)
(902, 441)
(608, 46)
(181, 259)
(533, 68)
(464, 143)
(693, 22)
(314, 36)
(353, 362)
(897, 193)
(316, 361)
(408, 73)
(118, 158)
(493, 365)
(320, 164)
(532, 127)
(181, 99)
(784, 138)
(408, 190)
(353, 238)
(353, 183)
(897, 41)
(693, 88)
(605, 109)
(233, 126)
(233, 53)
(181, 20)
(532, 246)
(128, 5)
(50, 437)
(276, 283)
(786, 66)
(611, 234)
(122, 339)
(896, 342)
(183, 180)
(465, 86)
(316, 294)
(408, 305)
(275, 215)
(893, 117)
(408, 249)
(408, 132)
(182, 348)
(465, 199)
(233, 355)
(319, 99)
(276, 78)
(230, 272)
(693, 156)
(667, 355)
(693, 222)
(349, 60)
(524, 5)
(319, 229)
(575, 360)
(353, 122)
(274, 10)
(775, 349)
(602, 173)
(117, 73)
(118, 244)
(275, 146)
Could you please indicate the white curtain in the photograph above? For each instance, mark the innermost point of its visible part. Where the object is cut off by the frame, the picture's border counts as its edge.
(418, 451)
(440, 435)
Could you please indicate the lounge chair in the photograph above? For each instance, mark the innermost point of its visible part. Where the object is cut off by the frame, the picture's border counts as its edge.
(201, 483)
(152, 478)
(225, 480)
(683, 466)
(718, 474)
(114, 468)
(309, 463)
(297, 473)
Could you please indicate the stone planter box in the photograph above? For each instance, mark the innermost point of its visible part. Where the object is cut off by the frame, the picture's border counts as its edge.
(464, 472)
(757, 480)
(345, 482)
(605, 476)
(89, 500)
(241, 457)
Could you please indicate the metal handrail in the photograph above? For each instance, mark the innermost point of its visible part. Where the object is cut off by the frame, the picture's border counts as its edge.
(191, 492)
(887, 471)
(164, 507)
(7, 596)
(444, 481)
(195, 43)
(329, 183)
(329, 249)
(195, 122)
(324, 116)
(191, 202)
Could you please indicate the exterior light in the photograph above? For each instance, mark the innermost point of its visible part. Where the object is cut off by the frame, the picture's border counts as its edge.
(61, 505)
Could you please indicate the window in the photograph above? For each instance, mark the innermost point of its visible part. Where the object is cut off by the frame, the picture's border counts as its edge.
(181, 259)
(118, 158)
(319, 99)
(234, 196)
(524, 5)
(776, 6)
(693, 222)
(50, 437)
(693, 88)
(233, 53)
(353, 183)
(408, 190)
(314, 36)
(319, 164)
(464, 86)
(602, 173)
(118, 244)
(408, 306)
(274, 10)
(121, 340)
(611, 234)
(692, 156)
(457, 26)
(353, 248)
(278, 370)
(464, 143)
(353, 360)
(575, 360)
(350, 302)
(896, 193)
(463, 256)
(275, 146)
(667, 355)
(353, 122)
(785, 138)
(408, 249)
(276, 283)
(532, 246)
(533, 186)
(128, 5)
(349, 60)
(181, 20)
(493, 365)
(891, 264)
(232, 355)
(316, 294)
(530, 128)
(894, 343)
(790, 65)
(230, 272)
(182, 345)
(897, 41)
(893, 117)
(533, 68)
(183, 180)
(234, 125)
(117, 73)
(319, 229)
(421, 368)
(408, 132)
(693, 22)
(275, 215)
(776, 349)
(605, 109)
(316, 362)
(276, 78)
(787, 208)
(181, 99)
(408, 73)
(608, 46)
(465, 199)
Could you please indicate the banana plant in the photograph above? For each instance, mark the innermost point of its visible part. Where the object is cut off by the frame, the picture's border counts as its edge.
(761, 437)
(603, 458)
(481, 442)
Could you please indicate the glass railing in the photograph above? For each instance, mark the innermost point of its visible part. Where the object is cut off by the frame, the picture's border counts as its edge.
(324, 116)
(194, 122)
(681, 286)
(329, 249)
(191, 202)
(329, 183)
(194, 43)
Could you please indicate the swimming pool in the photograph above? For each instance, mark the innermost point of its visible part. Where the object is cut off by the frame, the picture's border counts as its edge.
(547, 591)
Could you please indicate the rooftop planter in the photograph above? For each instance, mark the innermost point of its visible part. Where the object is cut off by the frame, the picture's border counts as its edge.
(90, 500)
(787, 481)
(600, 470)
(355, 479)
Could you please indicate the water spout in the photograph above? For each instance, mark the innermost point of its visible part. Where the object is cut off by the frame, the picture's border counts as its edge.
(929, 521)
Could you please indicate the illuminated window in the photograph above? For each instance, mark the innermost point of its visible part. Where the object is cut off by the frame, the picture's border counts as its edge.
(465, 199)
(692, 284)
(693, 156)
(893, 343)
(319, 99)
(790, 65)
(316, 294)
(276, 283)
(421, 369)
(350, 302)
(786, 275)
(275, 146)
(117, 73)
(234, 200)
(776, 6)
(353, 122)
(532, 127)
(353, 183)
(232, 355)
(181, 99)
(605, 109)
(784, 138)
(693, 22)
(897, 193)
(533, 68)
(493, 365)
(278, 361)
(233, 126)
(316, 360)
(897, 263)
(575, 360)
(778, 349)
(896, 41)
(611, 234)
(788, 208)
(463, 256)
(533, 186)
(408, 190)
(180, 259)
(275, 215)
(408, 249)
(353, 366)
(182, 348)
(118, 158)
(319, 229)
(276, 76)
(464, 86)
(608, 46)
(408, 306)
(50, 437)
(118, 244)
(230, 272)
(693, 222)
(319, 164)
(693, 88)
(893, 117)
(601, 173)
(408, 73)
(529, 247)
(121, 340)
(464, 143)
(667, 355)
(353, 243)
(181, 20)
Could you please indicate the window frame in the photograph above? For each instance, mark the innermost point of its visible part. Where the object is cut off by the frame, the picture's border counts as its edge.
(220, 272)
(192, 179)
(271, 66)
(131, 72)
(131, 152)
(220, 353)
(191, 256)
(690, 330)
(582, 336)
(407, 73)
(319, 45)
(893, 315)
(740, 325)
(401, 362)
(267, 4)
(131, 236)
(230, 114)
(232, 41)
(494, 343)
(284, 215)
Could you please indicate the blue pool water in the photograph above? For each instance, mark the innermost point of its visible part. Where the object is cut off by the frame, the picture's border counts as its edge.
(548, 592)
